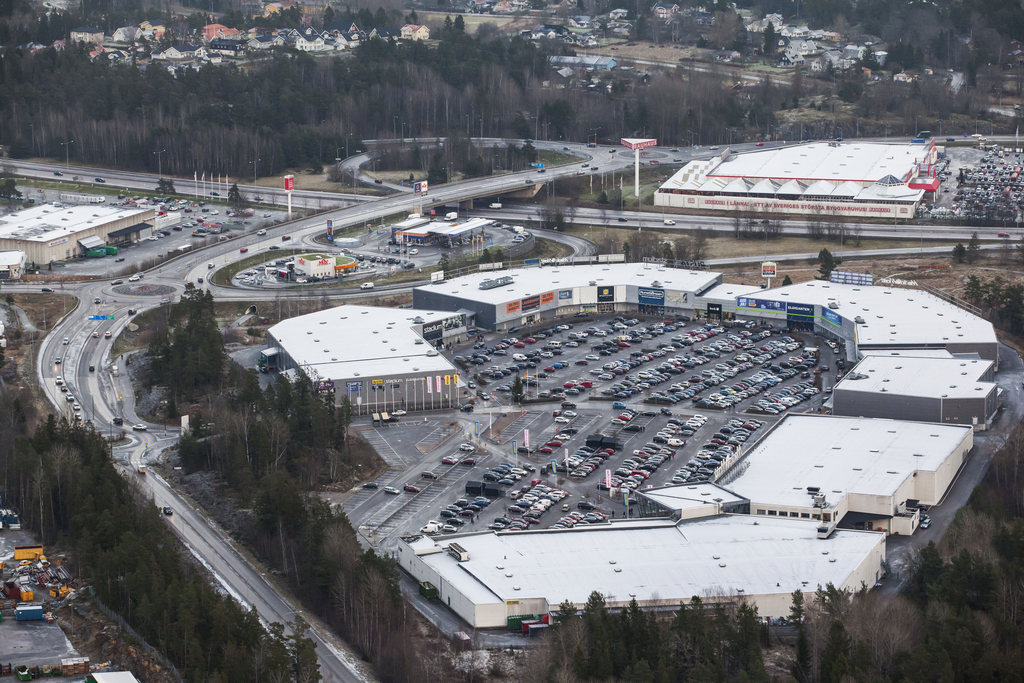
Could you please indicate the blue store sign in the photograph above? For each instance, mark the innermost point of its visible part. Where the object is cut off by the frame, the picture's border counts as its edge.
(799, 312)
(564, 294)
(651, 297)
(832, 317)
(761, 304)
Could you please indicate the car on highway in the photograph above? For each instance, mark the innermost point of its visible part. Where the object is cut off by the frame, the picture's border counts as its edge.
(378, 181)
(106, 335)
(669, 221)
(96, 300)
(243, 250)
(622, 219)
(66, 341)
(100, 180)
(117, 282)
(134, 278)
(1003, 234)
(56, 361)
(58, 173)
(92, 368)
(46, 289)
(391, 490)
(760, 144)
(168, 511)
(261, 232)
(274, 247)
(139, 427)
(118, 420)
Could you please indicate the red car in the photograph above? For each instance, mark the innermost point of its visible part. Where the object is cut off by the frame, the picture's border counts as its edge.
(760, 144)
(586, 384)
(530, 340)
(449, 460)
(624, 345)
(243, 250)
(1004, 234)
(545, 450)
(550, 368)
(411, 489)
(519, 345)
(568, 385)
(582, 362)
(554, 443)
(469, 461)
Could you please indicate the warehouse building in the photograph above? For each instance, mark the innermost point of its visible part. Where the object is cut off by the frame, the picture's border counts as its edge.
(49, 233)
(823, 179)
(688, 501)
(874, 318)
(856, 473)
(489, 578)
(381, 359)
(12, 265)
(949, 390)
(506, 299)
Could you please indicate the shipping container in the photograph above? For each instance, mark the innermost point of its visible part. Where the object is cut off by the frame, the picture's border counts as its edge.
(537, 629)
(493, 490)
(29, 612)
(524, 625)
(95, 253)
(514, 623)
(28, 552)
(111, 251)
(428, 590)
(474, 488)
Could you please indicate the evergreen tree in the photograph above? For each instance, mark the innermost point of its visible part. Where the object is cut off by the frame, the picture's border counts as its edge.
(959, 252)
(973, 247)
(459, 25)
(787, 281)
(517, 390)
(770, 40)
(827, 263)
(165, 186)
(835, 659)
(235, 197)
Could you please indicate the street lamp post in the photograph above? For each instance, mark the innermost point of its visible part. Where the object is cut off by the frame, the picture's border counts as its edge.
(254, 169)
(67, 153)
(159, 162)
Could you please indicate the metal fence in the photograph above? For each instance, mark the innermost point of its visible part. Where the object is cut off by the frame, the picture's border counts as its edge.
(146, 647)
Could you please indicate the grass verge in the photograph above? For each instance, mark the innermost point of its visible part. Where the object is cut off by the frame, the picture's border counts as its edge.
(223, 276)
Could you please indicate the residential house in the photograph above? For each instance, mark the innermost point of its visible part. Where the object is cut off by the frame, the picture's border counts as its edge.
(385, 33)
(880, 57)
(415, 32)
(794, 32)
(803, 47)
(665, 11)
(127, 34)
(581, 22)
(154, 31)
(588, 63)
(181, 53)
(273, 8)
(905, 77)
(265, 42)
(818, 63)
(791, 57)
(725, 55)
(87, 34)
(759, 26)
(854, 52)
(226, 47)
(504, 7)
(211, 31)
(562, 8)
(59, 44)
(618, 14)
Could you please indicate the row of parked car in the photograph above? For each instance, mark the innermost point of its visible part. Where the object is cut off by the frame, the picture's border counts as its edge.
(706, 463)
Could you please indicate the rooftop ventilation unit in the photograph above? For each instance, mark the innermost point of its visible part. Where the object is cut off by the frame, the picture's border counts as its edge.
(458, 552)
(833, 305)
(496, 282)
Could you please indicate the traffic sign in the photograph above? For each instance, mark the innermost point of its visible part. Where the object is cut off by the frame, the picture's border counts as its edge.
(101, 317)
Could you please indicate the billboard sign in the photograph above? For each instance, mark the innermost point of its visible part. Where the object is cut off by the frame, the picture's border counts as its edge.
(289, 183)
(547, 298)
(455, 322)
(768, 269)
(799, 312)
(565, 295)
(651, 297)
(330, 231)
(512, 307)
(638, 143)
(354, 386)
(606, 294)
(761, 304)
(530, 303)
(420, 189)
(847, 278)
(831, 317)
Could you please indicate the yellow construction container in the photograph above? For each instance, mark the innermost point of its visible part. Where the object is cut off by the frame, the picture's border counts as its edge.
(28, 552)
(27, 595)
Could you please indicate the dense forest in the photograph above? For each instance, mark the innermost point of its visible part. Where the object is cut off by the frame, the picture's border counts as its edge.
(62, 479)
(296, 110)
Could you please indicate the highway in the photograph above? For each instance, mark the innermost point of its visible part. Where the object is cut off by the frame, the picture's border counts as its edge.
(103, 395)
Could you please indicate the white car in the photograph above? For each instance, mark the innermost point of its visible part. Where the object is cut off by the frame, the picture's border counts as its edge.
(261, 232)
(66, 341)
(397, 413)
(366, 285)
(392, 490)
(564, 420)
(139, 427)
(134, 278)
(669, 221)
(468, 447)
(413, 252)
(266, 215)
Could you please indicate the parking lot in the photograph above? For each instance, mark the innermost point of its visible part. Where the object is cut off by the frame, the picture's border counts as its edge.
(983, 184)
(650, 439)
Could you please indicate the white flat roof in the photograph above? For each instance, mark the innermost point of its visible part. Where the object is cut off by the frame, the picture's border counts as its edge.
(11, 258)
(445, 227)
(892, 316)
(923, 377)
(689, 496)
(530, 281)
(728, 291)
(361, 341)
(653, 560)
(860, 162)
(908, 353)
(841, 455)
(46, 222)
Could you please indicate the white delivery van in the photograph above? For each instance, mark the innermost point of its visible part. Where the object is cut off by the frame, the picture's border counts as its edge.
(366, 285)
(494, 205)
(555, 344)
(451, 216)
(209, 266)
